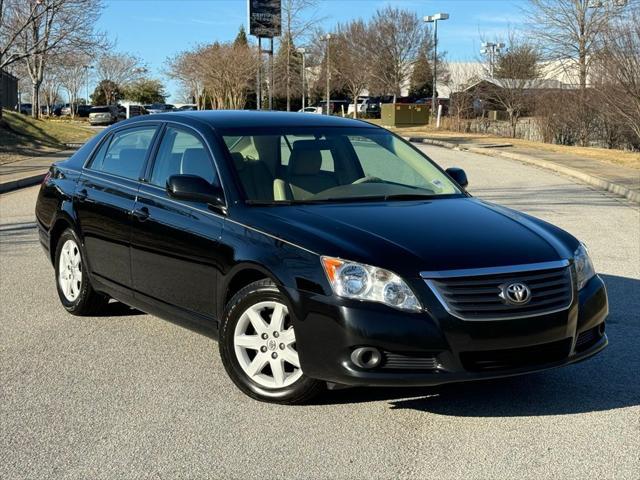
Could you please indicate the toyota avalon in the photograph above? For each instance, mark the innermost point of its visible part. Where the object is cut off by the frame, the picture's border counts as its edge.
(321, 252)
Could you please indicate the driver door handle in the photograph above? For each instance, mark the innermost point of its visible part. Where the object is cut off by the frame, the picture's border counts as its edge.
(141, 213)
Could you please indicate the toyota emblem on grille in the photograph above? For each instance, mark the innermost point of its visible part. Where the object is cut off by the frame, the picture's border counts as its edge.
(515, 293)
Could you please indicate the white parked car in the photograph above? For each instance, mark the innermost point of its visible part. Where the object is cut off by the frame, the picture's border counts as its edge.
(317, 110)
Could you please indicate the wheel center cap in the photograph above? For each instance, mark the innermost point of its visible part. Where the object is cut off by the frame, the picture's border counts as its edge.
(272, 344)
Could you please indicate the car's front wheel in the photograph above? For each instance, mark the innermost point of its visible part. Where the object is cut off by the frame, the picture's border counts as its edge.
(74, 289)
(258, 347)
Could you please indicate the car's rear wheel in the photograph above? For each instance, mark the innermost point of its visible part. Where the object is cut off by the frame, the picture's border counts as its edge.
(74, 289)
(258, 347)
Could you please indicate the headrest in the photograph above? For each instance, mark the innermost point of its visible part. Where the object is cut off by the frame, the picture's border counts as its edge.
(196, 162)
(306, 157)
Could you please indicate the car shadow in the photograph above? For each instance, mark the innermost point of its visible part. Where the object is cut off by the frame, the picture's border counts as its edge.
(607, 381)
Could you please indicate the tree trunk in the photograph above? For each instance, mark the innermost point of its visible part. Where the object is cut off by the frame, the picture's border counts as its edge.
(35, 99)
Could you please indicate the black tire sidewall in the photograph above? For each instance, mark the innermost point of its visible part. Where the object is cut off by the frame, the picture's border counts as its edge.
(257, 292)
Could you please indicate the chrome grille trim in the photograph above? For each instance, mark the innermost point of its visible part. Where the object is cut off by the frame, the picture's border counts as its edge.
(476, 298)
(474, 272)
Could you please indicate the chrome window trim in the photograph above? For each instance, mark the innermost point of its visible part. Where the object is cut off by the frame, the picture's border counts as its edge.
(472, 272)
(199, 210)
(212, 157)
(527, 268)
(108, 136)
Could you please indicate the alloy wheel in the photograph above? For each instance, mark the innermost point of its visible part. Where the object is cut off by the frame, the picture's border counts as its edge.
(265, 345)
(70, 270)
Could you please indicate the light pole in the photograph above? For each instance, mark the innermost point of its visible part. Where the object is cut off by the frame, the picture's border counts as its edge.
(302, 51)
(492, 50)
(86, 76)
(327, 38)
(434, 19)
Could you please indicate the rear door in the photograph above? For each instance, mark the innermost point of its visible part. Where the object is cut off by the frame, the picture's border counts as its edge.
(105, 197)
(175, 243)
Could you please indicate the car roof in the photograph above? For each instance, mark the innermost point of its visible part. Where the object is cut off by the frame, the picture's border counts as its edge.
(252, 118)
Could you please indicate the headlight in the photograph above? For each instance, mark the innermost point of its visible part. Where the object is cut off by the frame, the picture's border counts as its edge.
(372, 284)
(584, 266)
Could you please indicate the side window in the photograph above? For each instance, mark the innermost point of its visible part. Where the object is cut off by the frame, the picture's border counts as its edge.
(124, 153)
(181, 152)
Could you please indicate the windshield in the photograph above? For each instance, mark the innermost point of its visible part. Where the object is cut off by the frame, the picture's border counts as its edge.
(316, 165)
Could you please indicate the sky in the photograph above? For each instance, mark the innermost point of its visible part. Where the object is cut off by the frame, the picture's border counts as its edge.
(157, 29)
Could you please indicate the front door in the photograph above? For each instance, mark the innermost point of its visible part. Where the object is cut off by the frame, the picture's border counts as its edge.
(105, 197)
(176, 243)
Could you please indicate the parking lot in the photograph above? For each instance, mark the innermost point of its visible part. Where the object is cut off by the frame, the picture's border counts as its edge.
(127, 395)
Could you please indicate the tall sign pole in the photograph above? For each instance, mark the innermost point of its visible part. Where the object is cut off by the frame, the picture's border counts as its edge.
(265, 18)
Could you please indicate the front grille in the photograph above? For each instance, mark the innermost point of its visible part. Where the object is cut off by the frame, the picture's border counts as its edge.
(476, 297)
(396, 361)
(588, 338)
(515, 357)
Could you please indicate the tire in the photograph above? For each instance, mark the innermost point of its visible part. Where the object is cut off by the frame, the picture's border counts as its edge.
(253, 334)
(72, 281)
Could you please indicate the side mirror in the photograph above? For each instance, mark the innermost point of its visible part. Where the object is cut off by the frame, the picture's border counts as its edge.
(459, 176)
(195, 189)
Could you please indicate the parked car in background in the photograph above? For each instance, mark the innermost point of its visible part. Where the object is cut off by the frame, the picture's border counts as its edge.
(83, 110)
(65, 110)
(314, 109)
(319, 249)
(159, 108)
(25, 108)
(186, 108)
(105, 115)
(337, 107)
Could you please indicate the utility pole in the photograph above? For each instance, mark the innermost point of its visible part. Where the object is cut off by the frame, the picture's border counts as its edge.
(86, 76)
(492, 50)
(327, 38)
(302, 51)
(434, 19)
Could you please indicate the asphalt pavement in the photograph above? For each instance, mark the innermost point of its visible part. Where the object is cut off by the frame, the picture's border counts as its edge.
(127, 395)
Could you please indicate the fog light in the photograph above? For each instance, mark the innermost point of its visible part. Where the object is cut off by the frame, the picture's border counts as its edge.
(366, 357)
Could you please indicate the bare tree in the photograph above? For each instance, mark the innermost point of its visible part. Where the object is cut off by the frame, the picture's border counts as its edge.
(296, 25)
(186, 68)
(58, 26)
(570, 32)
(397, 36)
(72, 76)
(120, 69)
(227, 72)
(516, 75)
(351, 60)
(618, 73)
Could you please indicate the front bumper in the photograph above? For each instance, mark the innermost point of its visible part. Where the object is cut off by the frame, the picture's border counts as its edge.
(432, 348)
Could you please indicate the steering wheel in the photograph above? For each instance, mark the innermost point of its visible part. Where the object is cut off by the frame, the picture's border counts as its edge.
(367, 179)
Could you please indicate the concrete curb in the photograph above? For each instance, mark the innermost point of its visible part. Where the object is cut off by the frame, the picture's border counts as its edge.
(570, 172)
(22, 182)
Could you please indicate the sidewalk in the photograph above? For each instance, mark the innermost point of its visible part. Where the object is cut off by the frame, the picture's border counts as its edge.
(618, 179)
(31, 171)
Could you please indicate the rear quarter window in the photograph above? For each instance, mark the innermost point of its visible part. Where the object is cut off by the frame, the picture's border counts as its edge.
(124, 152)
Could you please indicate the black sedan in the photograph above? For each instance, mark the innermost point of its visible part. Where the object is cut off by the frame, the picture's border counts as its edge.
(321, 251)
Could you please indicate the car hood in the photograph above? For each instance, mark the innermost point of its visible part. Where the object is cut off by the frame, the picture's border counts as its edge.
(414, 236)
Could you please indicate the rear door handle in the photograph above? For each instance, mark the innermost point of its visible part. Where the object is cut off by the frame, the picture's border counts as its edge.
(82, 195)
(141, 213)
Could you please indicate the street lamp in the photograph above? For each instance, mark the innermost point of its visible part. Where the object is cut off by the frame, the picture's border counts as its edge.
(434, 19)
(492, 50)
(326, 38)
(302, 51)
(86, 75)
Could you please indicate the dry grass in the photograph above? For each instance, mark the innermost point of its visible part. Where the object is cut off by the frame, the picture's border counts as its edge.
(22, 136)
(615, 157)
